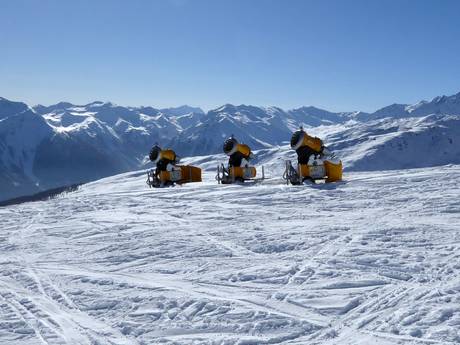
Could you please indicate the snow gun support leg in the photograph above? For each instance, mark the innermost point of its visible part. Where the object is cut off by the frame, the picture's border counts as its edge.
(223, 176)
(218, 175)
(291, 175)
(152, 179)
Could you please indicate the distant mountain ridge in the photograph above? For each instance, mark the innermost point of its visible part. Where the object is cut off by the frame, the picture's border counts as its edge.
(44, 147)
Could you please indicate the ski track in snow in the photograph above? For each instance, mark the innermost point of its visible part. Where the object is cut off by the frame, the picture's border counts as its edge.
(372, 260)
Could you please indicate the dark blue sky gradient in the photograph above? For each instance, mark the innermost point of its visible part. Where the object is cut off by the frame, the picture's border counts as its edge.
(340, 55)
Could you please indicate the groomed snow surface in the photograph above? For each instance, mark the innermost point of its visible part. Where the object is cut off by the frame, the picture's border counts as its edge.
(372, 260)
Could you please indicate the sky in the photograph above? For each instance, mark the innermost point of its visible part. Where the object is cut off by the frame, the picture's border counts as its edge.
(336, 54)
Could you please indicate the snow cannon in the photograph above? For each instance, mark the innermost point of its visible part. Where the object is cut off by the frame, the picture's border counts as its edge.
(231, 147)
(238, 169)
(157, 154)
(315, 161)
(301, 140)
(167, 172)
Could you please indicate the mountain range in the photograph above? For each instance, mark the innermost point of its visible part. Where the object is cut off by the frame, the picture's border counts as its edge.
(44, 147)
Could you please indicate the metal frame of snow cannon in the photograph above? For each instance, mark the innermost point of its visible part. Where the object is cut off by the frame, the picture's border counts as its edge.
(155, 180)
(316, 172)
(152, 179)
(290, 174)
(223, 176)
(294, 176)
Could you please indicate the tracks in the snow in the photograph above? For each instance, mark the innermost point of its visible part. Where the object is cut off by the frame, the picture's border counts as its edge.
(215, 264)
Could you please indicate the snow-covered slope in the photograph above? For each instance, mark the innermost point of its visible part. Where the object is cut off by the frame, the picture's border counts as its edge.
(372, 260)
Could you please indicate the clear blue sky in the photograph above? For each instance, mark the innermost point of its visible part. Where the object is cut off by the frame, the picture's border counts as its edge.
(340, 55)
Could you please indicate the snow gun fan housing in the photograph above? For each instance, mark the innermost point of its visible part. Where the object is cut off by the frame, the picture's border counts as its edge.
(155, 154)
(238, 169)
(231, 147)
(162, 157)
(315, 161)
(305, 145)
(167, 172)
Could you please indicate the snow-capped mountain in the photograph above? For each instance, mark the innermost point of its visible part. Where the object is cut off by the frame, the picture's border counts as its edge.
(398, 143)
(256, 126)
(21, 133)
(262, 127)
(50, 146)
(312, 116)
(439, 105)
(181, 111)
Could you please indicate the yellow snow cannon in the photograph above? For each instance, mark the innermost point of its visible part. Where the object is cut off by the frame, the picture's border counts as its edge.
(167, 172)
(238, 169)
(315, 161)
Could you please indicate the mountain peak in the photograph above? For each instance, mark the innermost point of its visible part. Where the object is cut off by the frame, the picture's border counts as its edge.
(181, 110)
(10, 108)
(100, 104)
(224, 108)
(43, 109)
